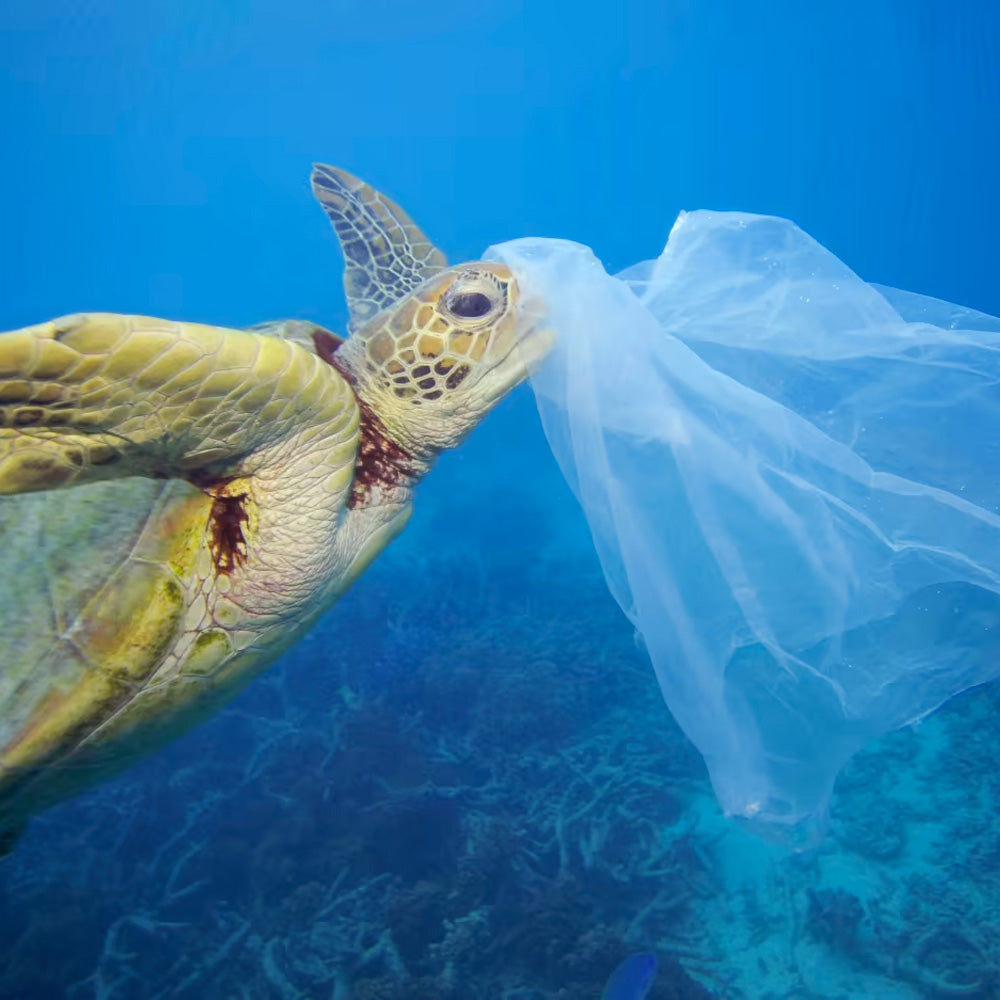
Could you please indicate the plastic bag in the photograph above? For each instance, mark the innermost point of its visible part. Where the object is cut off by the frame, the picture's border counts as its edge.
(792, 480)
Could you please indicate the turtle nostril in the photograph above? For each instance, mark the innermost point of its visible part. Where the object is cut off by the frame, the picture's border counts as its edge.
(470, 305)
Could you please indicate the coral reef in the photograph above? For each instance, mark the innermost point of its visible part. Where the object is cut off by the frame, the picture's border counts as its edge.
(833, 917)
(427, 799)
(471, 789)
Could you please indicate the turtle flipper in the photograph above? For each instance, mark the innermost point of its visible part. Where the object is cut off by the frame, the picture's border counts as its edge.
(101, 396)
(386, 255)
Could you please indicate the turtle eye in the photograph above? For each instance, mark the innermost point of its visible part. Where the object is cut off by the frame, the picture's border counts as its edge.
(470, 305)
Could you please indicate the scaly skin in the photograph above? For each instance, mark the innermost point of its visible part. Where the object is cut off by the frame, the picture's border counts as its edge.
(181, 502)
(385, 253)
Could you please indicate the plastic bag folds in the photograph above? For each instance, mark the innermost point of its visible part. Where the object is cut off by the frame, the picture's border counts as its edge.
(792, 481)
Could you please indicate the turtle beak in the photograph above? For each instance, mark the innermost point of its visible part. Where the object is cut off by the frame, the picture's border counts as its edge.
(533, 346)
(533, 339)
(530, 343)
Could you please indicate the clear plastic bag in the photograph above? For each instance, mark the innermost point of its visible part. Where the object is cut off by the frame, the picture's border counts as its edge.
(792, 480)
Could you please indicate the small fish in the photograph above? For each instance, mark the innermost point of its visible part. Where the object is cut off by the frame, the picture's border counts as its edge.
(633, 979)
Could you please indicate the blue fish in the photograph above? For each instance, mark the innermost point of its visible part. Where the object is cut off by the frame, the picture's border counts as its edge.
(632, 980)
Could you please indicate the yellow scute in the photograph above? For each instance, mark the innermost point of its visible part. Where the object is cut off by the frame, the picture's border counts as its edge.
(208, 650)
(151, 600)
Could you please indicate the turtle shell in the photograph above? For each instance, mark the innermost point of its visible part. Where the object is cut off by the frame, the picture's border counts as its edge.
(94, 578)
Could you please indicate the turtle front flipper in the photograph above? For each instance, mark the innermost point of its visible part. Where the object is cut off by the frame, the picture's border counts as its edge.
(132, 607)
(386, 255)
(102, 396)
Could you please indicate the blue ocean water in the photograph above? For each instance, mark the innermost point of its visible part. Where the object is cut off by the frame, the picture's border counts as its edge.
(464, 782)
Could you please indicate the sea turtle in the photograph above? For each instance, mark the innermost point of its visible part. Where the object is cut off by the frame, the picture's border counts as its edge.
(182, 502)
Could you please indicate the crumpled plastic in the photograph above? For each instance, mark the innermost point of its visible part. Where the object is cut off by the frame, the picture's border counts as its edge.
(792, 480)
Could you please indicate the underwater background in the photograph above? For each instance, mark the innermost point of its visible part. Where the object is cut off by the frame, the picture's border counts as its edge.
(464, 783)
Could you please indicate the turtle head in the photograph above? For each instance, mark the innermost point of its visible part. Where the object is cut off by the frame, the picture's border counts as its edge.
(432, 348)
(435, 363)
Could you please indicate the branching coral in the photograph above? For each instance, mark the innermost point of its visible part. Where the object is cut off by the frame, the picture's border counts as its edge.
(485, 799)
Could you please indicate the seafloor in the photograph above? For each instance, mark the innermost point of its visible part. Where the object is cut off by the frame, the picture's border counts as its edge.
(465, 785)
